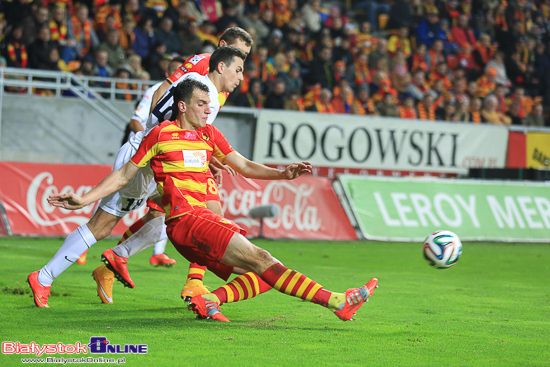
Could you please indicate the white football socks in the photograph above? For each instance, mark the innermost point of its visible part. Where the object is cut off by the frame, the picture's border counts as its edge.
(75, 244)
(147, 236)
(160, 246)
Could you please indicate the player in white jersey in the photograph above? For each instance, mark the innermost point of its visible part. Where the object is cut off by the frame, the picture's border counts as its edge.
(225, 74)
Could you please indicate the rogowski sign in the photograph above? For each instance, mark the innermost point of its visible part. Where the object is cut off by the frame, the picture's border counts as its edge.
(377, 143)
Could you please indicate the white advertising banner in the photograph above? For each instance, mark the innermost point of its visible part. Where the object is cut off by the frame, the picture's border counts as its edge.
(377, 142)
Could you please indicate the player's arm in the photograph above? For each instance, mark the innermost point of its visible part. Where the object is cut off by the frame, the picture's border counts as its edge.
(159, 93)
(253, 169)
(135, 125)
(113, 182)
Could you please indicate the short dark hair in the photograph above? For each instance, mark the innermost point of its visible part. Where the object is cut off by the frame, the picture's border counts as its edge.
(231, 35)
(184, 91)
(225, 54)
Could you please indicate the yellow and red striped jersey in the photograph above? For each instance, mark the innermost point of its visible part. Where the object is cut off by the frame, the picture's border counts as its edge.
(179, 159)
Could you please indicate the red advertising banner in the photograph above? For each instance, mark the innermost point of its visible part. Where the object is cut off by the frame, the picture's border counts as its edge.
(517, 150)
(309, 208)
(24, 188)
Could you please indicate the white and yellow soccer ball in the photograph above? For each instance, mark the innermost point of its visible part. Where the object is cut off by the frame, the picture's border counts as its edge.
(442, 249)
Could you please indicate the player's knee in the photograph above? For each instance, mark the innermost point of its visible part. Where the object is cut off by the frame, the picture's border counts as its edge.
(262, 259)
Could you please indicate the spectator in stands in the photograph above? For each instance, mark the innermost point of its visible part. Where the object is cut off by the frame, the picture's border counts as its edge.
(418, 59)
(440, 73)
(462, 33)
(323, 103)
(228, 19)
(427, 108)
(475, 111)
(193, 11)
(294, 102)
(145, 37)
(518, 95)
(131, 10)
(102, 67)
(116, 55)
(365, 42)
(418, 87)
(363, 105)
(435, 55)
(60, 35)
(268, 19)
(513, 113)
(124, 86)
(134, 65)
(16, 49)
(535, 118)
(407, 110)
(166, 35)
(294, 78)
(87, 66)
(251, 20)
(486, 84)
(343, 53)
(108, 13)
(342, 102)
(39, 50)
(491, 115)
(158, 70)
(190, 43)
(462, 113)
(457, 93)
(127, 36)
(450, 11)
(381, 52)
(447, 113)
(82, 31)
(322, 71)
(311, 15)
(253, 97)
(32, 24)
(400, 42)
(497, 63)
(388, 107)
(499, 94)
(429, 30)
(276, 98)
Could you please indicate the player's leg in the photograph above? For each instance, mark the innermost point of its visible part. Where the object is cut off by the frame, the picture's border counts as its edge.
(243, 254)
(100, 226)
(194, 284)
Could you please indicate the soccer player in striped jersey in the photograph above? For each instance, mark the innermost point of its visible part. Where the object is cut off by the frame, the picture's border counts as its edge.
(179, 153)
(226, 74)
(137, 237)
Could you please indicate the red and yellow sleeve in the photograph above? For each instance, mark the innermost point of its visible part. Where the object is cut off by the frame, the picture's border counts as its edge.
(194, 64)
(148, 149)
(222, 148)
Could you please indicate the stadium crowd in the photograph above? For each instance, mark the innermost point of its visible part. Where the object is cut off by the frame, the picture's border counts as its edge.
(480, 61)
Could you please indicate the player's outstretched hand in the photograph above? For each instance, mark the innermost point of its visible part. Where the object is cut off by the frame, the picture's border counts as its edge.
(68, 201)
(297, 169)
(229, 170)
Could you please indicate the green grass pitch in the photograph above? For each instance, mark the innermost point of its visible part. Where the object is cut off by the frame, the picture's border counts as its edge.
(491, 309)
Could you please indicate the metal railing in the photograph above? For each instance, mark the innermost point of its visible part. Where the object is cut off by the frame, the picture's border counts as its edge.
(95, 91)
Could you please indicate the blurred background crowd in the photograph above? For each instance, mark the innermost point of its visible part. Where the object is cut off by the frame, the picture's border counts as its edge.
(479, 61)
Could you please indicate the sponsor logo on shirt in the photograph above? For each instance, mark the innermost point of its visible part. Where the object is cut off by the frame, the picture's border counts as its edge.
(190, 135)
(195, 59)
(194, 158)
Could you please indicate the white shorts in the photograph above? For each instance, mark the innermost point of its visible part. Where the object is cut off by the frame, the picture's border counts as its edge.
(134, 195)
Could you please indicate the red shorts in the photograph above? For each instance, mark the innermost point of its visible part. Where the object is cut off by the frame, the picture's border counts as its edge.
(202, 237)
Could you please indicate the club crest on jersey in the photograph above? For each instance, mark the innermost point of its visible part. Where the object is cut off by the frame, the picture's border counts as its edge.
(175, 135)
(195, 59)
(205, 137)
(194, 158)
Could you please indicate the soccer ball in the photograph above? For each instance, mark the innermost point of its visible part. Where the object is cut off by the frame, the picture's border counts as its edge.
(442, 249)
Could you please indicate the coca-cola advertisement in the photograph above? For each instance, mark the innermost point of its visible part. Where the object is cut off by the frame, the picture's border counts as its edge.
(308, 208)
(25, 187)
